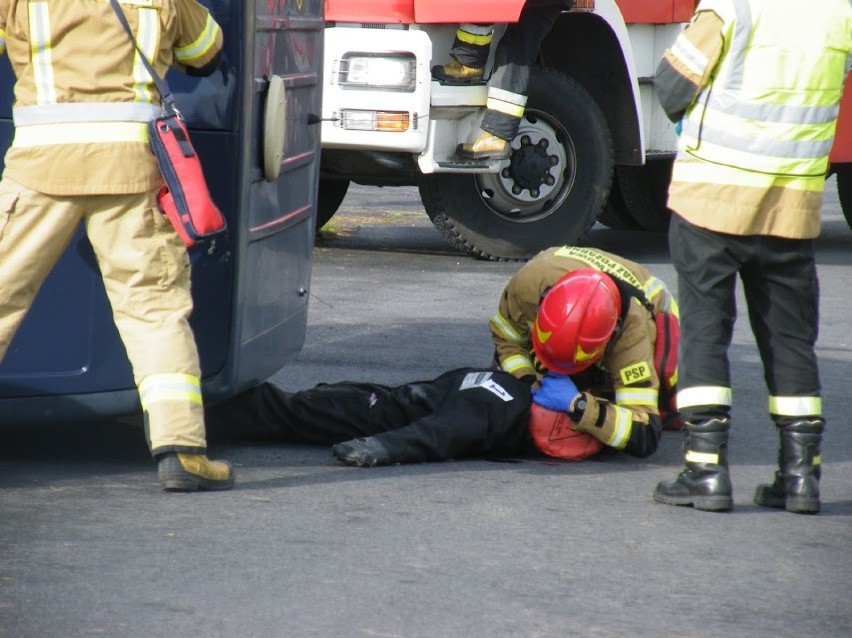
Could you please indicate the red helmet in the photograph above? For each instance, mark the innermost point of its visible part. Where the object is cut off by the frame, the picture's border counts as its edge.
(576, 320)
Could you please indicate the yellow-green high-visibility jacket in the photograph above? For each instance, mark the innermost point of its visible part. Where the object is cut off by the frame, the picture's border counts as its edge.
(765, 78)
(83, 97)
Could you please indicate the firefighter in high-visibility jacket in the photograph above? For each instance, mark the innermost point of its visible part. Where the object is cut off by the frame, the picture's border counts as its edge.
(80, 155)
(756, 86)
(607, 350)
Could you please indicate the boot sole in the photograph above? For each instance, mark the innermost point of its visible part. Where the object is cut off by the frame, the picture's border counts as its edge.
(451, 82)
(802, 505)
(180, 485)
(703, 503)
(479, 158)
(184, 482)
(793, 504)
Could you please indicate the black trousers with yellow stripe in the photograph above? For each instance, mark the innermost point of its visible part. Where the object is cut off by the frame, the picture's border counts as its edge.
(515, 54)
(781, 290)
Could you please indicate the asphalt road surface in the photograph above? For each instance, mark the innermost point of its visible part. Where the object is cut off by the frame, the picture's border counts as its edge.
(306, 547)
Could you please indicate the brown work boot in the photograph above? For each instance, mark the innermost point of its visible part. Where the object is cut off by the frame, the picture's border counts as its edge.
(180, 472)
(486, 146)
(455, 73)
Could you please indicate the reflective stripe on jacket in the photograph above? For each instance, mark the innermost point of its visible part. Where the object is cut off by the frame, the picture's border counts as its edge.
(771, 106)
(81, 85)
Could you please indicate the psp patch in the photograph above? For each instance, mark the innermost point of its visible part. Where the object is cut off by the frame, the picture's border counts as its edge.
(635, 373)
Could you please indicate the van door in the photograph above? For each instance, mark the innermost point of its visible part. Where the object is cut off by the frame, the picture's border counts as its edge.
(251, 288)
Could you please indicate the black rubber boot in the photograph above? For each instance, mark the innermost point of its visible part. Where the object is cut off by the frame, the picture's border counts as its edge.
(364, 452)
(705, 483)
(796, 485)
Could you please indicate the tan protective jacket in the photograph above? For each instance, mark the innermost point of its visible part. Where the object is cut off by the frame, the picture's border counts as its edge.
(85, 134)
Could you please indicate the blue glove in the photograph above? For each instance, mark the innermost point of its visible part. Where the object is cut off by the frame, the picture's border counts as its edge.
(557, 391)
(679, 128)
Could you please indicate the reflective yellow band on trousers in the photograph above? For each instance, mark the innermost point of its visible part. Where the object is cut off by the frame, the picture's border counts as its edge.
(692, 456)
(506, 101)
(158, 388)
(80, 133)
(504, 107)
(704, 395)
(473, 38)
(795, 406)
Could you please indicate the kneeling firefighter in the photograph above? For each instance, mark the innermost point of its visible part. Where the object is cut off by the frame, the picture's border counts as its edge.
(606, 324)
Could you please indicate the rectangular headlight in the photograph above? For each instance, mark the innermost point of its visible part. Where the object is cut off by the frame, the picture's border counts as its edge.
(386, 71)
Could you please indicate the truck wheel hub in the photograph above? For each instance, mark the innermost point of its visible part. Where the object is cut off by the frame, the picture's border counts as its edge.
(530, 166)
(538, 176)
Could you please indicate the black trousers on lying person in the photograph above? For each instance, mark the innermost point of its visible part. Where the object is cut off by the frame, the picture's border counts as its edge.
(461, 413)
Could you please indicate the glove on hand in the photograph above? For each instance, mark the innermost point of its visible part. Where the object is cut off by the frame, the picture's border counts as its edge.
(557, 392)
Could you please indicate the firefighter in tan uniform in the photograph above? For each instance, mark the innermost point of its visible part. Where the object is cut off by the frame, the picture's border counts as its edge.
(756, 86)
(586, 315)
(80, 154)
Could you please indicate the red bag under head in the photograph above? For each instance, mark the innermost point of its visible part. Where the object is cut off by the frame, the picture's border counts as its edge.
(553, 434)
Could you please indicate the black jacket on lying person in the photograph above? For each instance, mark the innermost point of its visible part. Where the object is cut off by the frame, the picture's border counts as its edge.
(461, 413)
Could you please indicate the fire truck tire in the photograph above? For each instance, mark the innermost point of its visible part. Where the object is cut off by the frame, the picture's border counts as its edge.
(329, 197)
(844, 189)
(615, 214)
(549, 192)
(645, 191)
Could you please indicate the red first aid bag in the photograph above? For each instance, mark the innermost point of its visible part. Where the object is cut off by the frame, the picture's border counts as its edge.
(665, 363)
(553, 433)
(184, 199)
